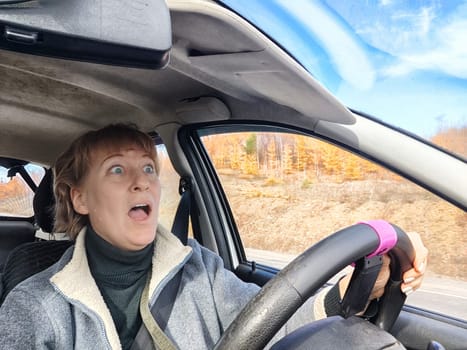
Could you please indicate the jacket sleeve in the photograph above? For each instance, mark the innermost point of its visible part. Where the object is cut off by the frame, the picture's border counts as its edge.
(24, 323)
(231, 294)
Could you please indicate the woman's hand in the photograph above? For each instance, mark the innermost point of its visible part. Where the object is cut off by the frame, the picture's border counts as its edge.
(412, 279)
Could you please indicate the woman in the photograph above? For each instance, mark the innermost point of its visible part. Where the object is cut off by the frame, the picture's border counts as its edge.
(98, 294)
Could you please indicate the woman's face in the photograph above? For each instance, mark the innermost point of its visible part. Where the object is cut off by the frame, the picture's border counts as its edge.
(121, 195)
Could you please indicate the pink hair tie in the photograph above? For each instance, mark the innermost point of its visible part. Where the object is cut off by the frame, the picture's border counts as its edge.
(386, 233)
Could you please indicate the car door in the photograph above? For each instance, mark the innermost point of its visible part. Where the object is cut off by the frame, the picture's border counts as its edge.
(271, 190)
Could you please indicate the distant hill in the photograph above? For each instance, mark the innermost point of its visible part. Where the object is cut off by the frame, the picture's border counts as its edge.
(453, 139)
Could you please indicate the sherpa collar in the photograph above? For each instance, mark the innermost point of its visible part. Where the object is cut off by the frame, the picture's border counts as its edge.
(76, 283)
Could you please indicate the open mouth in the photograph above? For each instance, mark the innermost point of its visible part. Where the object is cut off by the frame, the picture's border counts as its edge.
(140, 211)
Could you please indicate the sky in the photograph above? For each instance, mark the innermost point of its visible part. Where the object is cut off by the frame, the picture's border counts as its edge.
(417, 56)
(402, 61)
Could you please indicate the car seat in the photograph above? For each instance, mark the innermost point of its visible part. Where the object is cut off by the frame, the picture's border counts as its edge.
(30, 258)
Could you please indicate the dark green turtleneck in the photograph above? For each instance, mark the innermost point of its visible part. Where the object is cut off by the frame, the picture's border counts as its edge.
(120, 276)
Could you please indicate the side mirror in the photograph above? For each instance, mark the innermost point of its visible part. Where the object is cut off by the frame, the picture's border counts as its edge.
(131, 33)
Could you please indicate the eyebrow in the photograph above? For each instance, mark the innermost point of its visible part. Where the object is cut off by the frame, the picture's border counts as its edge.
(113, 155)
(121, 155)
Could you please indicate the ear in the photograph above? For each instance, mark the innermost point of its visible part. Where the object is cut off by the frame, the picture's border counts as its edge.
(78, 199)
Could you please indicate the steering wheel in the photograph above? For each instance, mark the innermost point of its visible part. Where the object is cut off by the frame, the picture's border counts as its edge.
(276, 302)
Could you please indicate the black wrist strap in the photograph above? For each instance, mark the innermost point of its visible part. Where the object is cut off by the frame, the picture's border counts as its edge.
(332, 301)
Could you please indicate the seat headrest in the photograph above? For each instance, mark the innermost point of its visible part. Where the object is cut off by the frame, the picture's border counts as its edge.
(44, 203)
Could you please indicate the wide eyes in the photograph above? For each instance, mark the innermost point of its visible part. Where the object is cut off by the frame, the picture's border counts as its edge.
(118, 169)
(148, 169)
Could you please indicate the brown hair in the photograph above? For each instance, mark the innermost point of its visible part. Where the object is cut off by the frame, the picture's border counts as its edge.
(72, 167)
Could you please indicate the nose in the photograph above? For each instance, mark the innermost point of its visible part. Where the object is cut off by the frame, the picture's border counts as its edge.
(140, 182)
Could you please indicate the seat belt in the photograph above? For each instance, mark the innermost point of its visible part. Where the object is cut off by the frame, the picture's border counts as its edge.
(162, 308)
(182, 216)
(186, 209)
(161, 311)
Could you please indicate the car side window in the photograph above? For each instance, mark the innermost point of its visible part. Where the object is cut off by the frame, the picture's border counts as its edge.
(288, 191)
(15, 194)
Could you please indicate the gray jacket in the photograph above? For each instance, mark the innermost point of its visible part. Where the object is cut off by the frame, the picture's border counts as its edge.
(62, 308)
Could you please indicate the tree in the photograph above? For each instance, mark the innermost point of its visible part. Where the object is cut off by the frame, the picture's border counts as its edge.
(288, 160)
(331, 159)
(352, 168)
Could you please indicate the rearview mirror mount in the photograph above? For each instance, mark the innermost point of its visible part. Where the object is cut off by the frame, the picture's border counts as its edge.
(133, 33)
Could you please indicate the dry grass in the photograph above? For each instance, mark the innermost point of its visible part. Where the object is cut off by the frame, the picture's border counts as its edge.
(306, 214)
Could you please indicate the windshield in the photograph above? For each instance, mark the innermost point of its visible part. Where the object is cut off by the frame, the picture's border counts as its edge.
(403, 62)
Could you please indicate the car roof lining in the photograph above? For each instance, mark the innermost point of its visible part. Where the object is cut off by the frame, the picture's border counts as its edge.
(235, 64)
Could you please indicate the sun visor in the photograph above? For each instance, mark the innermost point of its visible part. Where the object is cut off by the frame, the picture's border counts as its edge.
(124, 33)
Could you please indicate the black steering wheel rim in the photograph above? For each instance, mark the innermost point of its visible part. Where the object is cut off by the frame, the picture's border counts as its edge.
(276, 302)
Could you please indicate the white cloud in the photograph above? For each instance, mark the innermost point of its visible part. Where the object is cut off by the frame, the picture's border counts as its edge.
(447, 52)
(425, 18)
(385, 2)
(405, 30)
(347, 53)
